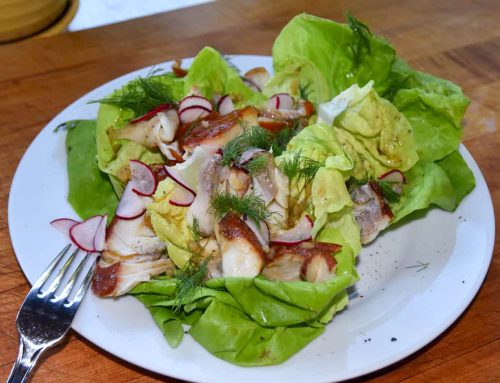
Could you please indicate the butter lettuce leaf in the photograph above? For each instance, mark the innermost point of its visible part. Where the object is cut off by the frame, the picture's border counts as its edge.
(434, 107)
(90, 190)
(170, 224)
(328, 57)
(212, 75)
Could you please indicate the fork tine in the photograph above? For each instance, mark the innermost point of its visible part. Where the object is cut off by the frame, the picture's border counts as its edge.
(83, 288)
(50, 269)
(67, 289)
(60, 275)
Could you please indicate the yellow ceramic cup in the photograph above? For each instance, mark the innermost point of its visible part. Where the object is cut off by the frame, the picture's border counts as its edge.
(23, 18)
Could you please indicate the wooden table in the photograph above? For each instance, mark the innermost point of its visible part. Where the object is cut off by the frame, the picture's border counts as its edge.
(458, 40)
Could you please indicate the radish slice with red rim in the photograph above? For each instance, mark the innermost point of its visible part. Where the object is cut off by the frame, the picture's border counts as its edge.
(64, 225)
(280, 101)
(131, 205)
(193, 113)
(199, 101)
(100, 234)
(151, 113)
(143, 179)
(393, 176)
(225, 105)
(301, 232)
(83, 233)
(173, 173)
(261, 231)
(181, 196)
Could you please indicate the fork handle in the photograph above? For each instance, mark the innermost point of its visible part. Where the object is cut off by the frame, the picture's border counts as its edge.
(26, 360)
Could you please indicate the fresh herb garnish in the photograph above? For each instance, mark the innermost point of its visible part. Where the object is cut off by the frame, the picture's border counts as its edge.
(361, 35)
(257, 164)
(300, 168)
(252, 137)
(141, 95)
(194, 229)
(420, 266)
(191, 278)
(228, 60)
(388, 192)
(250, 205)
(305, 91)
(283, 137)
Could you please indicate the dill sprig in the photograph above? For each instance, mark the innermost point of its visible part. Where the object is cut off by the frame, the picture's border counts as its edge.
(190, 279)
(195, 231)
(250, 205)
(283, 137)
(300, 168)
(257, 164)
(140, 95)
(388, 192)
(252, 137)
(305, 91)
(228, 59)
(362, 35)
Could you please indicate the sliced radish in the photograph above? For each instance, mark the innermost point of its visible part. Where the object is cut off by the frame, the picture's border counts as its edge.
(181, 196)
(131, 204)
(64, 225)
(174, 173)
(225, 105)
(193, 113)
(151, 113)
(190, 101)
(248, 154)
(83, 233)
(297, 234)
(261, 232)
(143, 179)
(393, 176)
(100, 234)
(280, 101)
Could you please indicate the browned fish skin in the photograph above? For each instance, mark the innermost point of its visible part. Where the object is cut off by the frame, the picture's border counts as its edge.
(215, 126)
(233, 227)
(105, 279)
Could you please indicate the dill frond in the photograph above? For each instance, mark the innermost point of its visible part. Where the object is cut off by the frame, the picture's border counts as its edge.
(283, 137)
(195, 230)
(250, 205)
(300, 168)
(362, 35)
(252, 137)
(257, 164)
(388, 192)
(228, 60)
(190, 279)
(140, 95)
(305, 91)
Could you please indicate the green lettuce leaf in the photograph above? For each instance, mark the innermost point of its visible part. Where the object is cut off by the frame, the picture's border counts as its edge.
(211, 74)
(326, 57)
(434, 107)
(251, 322)
(90, 190)
(460, 175)
(374, 134)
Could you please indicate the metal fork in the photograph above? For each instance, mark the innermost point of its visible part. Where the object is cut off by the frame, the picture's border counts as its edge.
(45, 315)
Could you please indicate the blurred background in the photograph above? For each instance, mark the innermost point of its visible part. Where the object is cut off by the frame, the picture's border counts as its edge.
(22, 19)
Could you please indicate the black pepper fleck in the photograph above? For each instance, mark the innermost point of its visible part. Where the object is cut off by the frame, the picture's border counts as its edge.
(394, 339)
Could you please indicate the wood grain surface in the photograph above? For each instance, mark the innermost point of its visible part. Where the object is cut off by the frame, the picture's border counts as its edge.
(458, 40)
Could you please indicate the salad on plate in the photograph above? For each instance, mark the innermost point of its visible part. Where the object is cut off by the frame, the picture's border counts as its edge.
(233, 205)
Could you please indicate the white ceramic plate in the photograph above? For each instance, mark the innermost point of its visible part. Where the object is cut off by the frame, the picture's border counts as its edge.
(394, 311)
